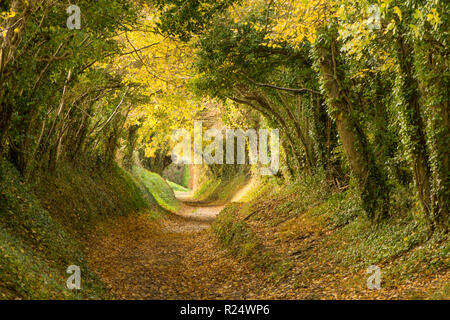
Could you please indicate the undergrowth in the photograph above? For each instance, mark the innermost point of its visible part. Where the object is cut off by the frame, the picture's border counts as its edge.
(308, 221)
(245, 244)
(177, 187)
(220, 190)
(159, 188)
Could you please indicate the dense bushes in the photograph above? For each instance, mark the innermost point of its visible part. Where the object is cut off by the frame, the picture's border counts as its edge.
(57, 101)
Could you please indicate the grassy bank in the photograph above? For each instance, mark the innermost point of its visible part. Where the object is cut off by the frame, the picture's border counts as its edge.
(317, 243)
(177, 187)
(220, 190)
(45, 227)
(159, 188)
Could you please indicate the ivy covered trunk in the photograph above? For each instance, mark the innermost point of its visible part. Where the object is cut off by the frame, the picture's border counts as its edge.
(439, 141)
(131, 142)
(5, 119)
(432, 68)
(371, 180)
(325, 136)
(413, 126)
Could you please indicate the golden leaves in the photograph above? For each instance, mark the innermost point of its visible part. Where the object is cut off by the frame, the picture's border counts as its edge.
(160, 68)
(433, 17)
(297, 21)
(398, 12)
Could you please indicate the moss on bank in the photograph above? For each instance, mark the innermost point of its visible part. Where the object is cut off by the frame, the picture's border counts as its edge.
(177, 187)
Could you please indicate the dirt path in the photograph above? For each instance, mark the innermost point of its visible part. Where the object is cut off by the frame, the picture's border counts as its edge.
(177, 257)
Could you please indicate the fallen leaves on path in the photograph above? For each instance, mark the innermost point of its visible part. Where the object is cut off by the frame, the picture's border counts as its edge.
(174, 258)
(179, 257)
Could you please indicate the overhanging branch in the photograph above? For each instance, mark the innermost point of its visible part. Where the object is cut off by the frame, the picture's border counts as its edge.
(295, 90)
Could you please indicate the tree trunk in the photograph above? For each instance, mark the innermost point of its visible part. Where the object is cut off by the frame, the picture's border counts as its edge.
(130, 147)
(7, 51)
(432, 71)
(370, 179)
(413, 126)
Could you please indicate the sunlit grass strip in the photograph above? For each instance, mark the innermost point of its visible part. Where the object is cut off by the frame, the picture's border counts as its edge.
(159, 188)
(177, 187)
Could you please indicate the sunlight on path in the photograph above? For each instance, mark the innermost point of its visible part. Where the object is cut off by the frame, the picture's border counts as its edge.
(200, 213)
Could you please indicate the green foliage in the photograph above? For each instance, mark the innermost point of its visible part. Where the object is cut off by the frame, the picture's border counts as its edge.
(385, 88)
(35, 247)
(402, 245)
(93, 194)
(330, 230)
(359, 109)
(340, 209)
(220, 190)
(186, 176)
(53, 81)
(177, 187)
(285, 198)
(186, 18)
(242, 242)
(44, 227)
(178, 174)
(159, 188)
(206, 189)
